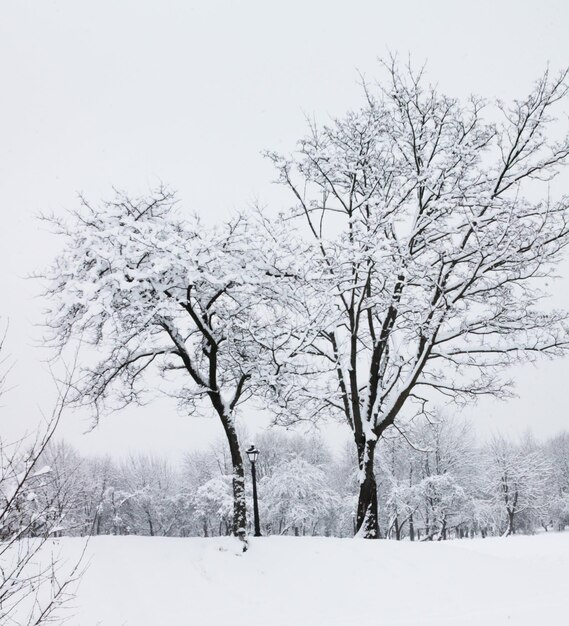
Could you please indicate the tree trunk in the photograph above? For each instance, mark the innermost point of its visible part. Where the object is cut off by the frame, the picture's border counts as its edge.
(397, 528)
(411, 529)
(367, 524)
(239, 501)
(511, 530)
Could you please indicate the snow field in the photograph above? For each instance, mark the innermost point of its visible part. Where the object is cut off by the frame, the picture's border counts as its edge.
(311, 581)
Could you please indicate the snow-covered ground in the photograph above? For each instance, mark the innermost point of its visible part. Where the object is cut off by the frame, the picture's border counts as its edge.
(143, 581)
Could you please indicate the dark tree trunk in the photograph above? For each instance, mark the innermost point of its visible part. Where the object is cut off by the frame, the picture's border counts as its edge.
(511, 523)
(411, 529)
(239, 501)
(367, 523)
(397, 528)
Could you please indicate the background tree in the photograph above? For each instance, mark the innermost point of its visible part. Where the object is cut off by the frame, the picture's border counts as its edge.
(557, 450)
(397, 475)
(212, 505)
(433, 235)
(443, 487)
(63, 489)
(152, 500)
(296, 497)
(517, 477)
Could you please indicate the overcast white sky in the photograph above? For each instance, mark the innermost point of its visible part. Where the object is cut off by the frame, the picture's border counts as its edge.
(132, 92)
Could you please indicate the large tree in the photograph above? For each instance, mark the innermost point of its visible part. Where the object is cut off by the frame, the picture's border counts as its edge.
(152, 292)
(434, 234)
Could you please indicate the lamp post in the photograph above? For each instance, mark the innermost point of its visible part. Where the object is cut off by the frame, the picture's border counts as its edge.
(253, 453)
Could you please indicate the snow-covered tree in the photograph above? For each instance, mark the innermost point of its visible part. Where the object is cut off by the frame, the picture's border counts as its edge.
(296, 497)
(201, 306)
(64, 488)
(557, 450)
(102, 477)
(199, 468)
(397, 477)
(449, 474)
(278, 447)
(212, 504)
(427, 479)
(152, 501)
(516, 481)
(433, 233)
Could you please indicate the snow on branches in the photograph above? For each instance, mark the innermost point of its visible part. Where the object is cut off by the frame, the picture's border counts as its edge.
(147, 288)
(434, 236)
(201, 306)
(418, 275)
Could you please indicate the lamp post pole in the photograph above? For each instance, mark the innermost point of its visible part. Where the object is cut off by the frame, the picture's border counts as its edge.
(253, 453)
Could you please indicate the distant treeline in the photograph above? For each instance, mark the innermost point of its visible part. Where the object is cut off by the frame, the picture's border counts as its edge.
(434, 482)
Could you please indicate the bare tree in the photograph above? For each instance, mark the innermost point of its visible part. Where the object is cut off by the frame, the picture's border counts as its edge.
(34, 586)
(434, 236)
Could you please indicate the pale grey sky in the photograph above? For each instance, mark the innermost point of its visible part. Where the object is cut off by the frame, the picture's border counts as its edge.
(132, 92)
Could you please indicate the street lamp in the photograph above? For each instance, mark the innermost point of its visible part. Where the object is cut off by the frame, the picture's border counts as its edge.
(253, 453)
